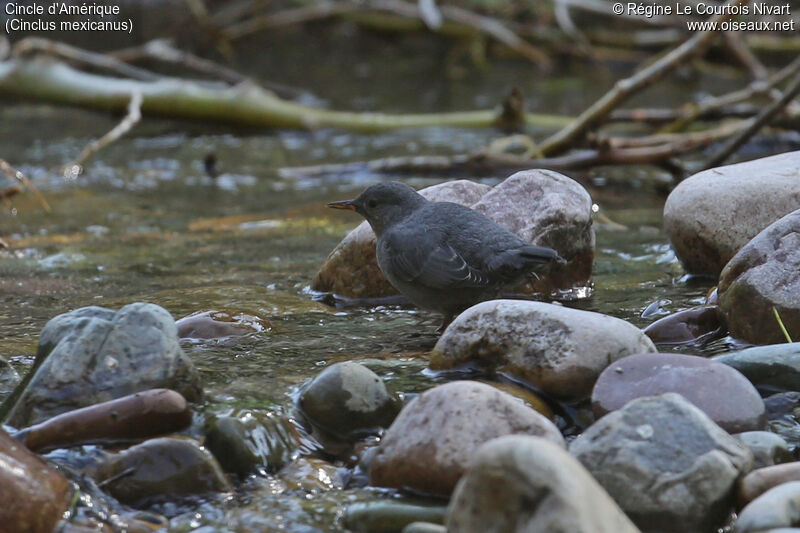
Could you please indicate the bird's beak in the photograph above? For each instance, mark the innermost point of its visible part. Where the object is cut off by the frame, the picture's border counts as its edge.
(350, 205)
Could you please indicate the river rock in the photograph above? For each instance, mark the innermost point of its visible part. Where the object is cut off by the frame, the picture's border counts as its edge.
(93, 355)
(9, 378)
(219, 326)
(699, 324)
(526, 484)
(761, 480)
(433, 440)
(770, 366)
(767, 447)
(764, 277)
(348, 400)
(250, 442)
(779, 507)
(547, 209)
(711, 215)
(161, 468)
(560, 350)
(387, 515)
(311, 473)
(352, 270)
(668, 465)
(541, 206)
(34, 496)
(721, 392)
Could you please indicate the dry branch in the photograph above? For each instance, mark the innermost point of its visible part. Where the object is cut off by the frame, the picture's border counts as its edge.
(244, 105)
(18, 176)
(75, 169)
(627, 87)
(758, 122)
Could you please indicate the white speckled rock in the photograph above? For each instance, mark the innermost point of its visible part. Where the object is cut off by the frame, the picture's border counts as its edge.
(520, 484)
(560, 350)
(711, 215)
(432, 441)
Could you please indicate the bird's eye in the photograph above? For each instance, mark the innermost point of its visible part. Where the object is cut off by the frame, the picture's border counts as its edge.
(372, 204)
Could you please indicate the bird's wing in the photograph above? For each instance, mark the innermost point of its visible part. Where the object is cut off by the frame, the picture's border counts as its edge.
(430, 262)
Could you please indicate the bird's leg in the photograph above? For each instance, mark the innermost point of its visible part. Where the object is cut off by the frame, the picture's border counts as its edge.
(446, 319)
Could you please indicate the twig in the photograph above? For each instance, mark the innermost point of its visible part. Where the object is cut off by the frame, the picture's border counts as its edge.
(163, 50)
(74, 169)
(745, 56)
(708, 136)
(759, 122)
(14, 174)
(31, 45)
(289, 17)
(714, 103)
(627, 87)
(430, 14)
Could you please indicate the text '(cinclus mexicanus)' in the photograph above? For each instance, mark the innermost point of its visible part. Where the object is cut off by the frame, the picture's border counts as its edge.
(443, 256)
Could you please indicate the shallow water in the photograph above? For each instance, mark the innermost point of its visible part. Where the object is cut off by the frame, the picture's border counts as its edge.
(146, 224)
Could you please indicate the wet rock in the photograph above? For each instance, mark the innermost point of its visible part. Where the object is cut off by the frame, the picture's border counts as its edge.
(711, 215)
(93, 355)
(130, 418)
(779, 507)
(768, 448)
(761, 480)
(218, 325)
(34, 495)
(560, 350)
(668, 465)
(699, 324)
(764, 277)
(531, 399)
(389, 516)
(159, 469)
(310, 473)
(352, 270)
(526, 484)
(732, 401)
(250, 442)
(541, 206)
(547, 209)
(348, 400)
(432, 441)
(770, 366)
(9, 378)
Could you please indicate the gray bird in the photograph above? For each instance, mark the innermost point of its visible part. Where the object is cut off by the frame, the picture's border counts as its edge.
(443, 256)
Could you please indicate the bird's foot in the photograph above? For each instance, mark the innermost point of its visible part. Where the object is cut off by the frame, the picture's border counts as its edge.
(445, 322)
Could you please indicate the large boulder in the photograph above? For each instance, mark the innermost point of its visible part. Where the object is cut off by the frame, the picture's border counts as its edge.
(560, 350)
(732, 402)
(526, 484)
(93, 355)
(541, 206)
(764, 277)
(433, 440)
(711, 215)
(668, 465)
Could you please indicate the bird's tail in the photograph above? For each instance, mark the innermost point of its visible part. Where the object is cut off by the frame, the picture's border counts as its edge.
(541, 254)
